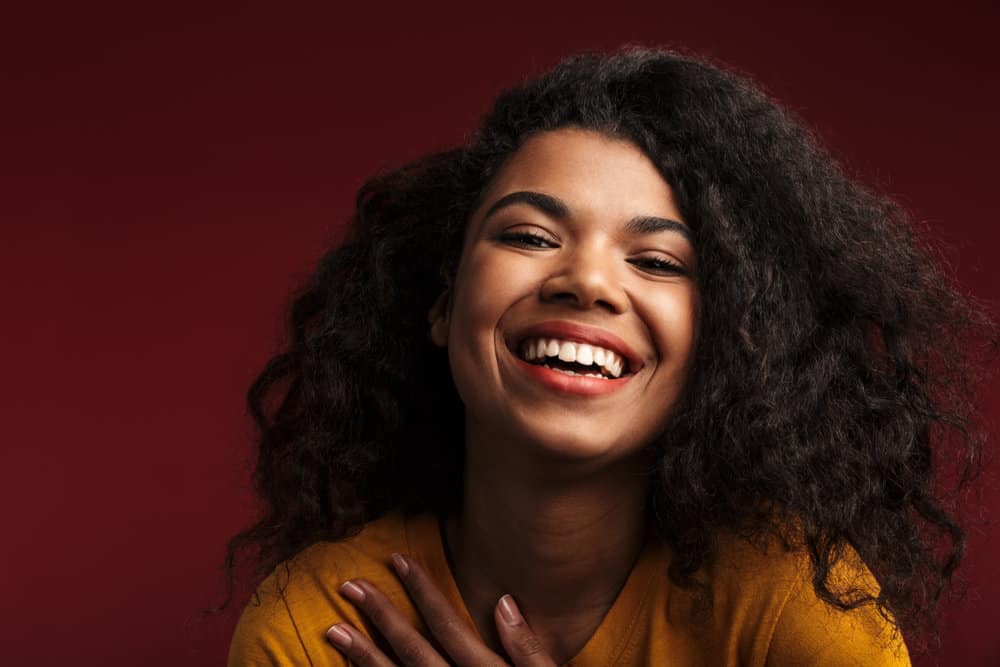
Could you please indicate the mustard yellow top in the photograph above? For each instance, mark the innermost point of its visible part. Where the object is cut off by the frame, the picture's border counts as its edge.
(764, 610)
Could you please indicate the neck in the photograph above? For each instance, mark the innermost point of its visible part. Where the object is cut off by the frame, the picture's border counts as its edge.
(560, 537)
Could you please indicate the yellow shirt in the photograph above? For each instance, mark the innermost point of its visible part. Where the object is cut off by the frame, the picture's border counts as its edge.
(764, 609)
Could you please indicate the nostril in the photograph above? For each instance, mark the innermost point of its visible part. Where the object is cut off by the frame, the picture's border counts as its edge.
(565, 296)
(576, 300)
(585, 289)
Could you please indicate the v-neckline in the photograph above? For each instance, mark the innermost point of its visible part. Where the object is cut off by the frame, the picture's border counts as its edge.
(612, 641)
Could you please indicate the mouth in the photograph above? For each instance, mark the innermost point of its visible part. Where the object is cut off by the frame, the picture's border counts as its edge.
(569, 350)
(573, 358)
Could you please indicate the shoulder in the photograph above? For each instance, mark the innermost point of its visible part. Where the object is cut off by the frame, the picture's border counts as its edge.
(286, 620)
(785, 622)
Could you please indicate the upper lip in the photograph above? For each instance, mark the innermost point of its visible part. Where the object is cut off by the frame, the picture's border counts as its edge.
(579, 333)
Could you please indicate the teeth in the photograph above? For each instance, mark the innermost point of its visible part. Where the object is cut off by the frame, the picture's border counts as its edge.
(589, 375)
(567, 352)
(581, 353)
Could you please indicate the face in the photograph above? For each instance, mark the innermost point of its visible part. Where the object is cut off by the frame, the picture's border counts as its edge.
(574, 311)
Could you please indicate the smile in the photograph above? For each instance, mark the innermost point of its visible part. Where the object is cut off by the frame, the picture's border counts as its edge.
(572, 358)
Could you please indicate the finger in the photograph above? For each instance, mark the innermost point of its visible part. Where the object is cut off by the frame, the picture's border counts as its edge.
(521, 643)
(460, 641)
(358, 648)
(409, 645)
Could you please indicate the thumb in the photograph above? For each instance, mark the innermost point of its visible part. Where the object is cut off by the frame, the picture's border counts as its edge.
(521, 643)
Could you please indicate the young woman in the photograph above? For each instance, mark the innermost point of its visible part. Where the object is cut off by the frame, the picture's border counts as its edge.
(638, 376)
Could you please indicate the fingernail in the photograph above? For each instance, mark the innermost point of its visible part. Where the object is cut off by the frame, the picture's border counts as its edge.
(509, 611)
(353, 591)
(400, 564)
(339, 636)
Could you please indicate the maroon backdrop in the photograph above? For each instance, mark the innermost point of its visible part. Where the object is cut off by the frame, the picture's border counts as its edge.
(169, 174)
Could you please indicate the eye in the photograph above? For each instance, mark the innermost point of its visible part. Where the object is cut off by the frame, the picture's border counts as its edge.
(659, 266)
(527, 239)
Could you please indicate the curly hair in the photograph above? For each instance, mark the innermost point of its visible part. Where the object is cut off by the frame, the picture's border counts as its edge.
(833, 376)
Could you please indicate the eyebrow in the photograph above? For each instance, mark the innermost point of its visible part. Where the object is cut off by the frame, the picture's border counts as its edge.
(557, 208)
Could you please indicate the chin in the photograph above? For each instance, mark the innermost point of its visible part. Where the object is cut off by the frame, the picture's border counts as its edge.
(576, 441)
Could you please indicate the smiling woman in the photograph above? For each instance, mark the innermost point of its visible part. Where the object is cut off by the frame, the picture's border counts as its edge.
(565, 267)
(636, 377)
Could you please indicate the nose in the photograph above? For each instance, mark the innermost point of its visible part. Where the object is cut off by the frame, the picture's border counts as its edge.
(588, 277)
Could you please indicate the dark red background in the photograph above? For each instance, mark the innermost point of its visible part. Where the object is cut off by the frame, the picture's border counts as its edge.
(169, 174)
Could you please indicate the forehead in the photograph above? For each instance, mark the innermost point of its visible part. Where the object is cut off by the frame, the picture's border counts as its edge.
(588, 169)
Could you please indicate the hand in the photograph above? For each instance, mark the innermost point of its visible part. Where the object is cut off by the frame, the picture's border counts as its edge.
(459, 641)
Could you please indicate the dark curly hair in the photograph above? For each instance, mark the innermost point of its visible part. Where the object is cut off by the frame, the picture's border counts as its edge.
(833, 375)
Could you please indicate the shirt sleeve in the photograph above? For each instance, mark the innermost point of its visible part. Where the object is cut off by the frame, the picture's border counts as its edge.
(267, 635)
(810, 632)
(284, 624)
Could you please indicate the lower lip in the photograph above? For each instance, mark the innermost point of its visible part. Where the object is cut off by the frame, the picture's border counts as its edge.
(571, 384)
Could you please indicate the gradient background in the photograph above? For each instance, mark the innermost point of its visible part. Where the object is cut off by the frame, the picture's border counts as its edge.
(168, 175)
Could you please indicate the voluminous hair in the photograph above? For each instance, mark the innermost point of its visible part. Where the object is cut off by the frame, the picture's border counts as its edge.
(832, 382)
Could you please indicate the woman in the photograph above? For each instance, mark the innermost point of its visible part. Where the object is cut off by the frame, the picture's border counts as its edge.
(636, 377)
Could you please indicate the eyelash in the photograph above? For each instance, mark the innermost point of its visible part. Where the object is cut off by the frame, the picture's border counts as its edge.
(656, 265)
(660, 266)
(527, 239)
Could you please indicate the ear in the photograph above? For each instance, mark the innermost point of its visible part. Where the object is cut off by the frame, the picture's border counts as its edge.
(438, 317)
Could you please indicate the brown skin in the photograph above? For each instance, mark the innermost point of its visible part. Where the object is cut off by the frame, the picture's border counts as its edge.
(556, 483)
(455, 638)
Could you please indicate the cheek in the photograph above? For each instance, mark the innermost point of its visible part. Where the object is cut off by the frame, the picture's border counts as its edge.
(677, 316)
(487, 286)
(485, 289)
(675, 321)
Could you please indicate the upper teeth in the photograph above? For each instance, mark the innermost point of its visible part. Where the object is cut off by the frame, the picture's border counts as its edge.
(581, 353)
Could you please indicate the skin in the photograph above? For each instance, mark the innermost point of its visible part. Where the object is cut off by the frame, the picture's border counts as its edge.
(565, 476)
(456, 639)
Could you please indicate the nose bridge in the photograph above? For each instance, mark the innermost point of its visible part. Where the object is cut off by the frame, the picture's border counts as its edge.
(589, 275)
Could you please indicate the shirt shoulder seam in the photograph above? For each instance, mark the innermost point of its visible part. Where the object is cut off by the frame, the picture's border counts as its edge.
(799, 579)
(295, 626)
